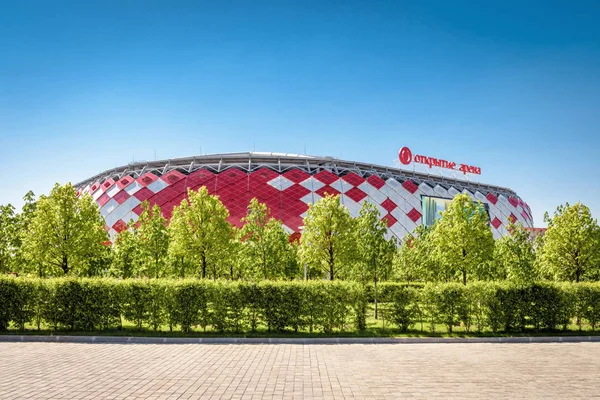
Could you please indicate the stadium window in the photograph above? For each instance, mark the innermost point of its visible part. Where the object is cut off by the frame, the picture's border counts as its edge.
(432, 207)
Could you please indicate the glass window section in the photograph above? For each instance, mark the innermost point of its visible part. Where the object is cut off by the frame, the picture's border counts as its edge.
(432, 207)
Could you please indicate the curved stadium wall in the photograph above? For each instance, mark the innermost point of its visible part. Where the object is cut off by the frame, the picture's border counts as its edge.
(287, 183)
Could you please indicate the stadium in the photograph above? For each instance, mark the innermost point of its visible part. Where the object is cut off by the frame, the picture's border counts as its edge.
(288, 183)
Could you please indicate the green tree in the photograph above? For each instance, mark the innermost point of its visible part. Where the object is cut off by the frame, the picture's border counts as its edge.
(571, 245)
(327, 238)
(265, 245)
(153, 240)
(8, 234)
(515, 256)
(374, 251)
(414, 261)
(127, 253)
(23, 219)
(200, 231)
(462, 239)
(65, 233)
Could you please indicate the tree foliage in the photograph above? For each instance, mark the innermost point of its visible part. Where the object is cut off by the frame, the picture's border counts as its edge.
(463, 240)
(327, 240)
(65, 235)
(8, 233)
(200, 231)
(515, 256)
(153, 241)
(571, 245)
(265, 245)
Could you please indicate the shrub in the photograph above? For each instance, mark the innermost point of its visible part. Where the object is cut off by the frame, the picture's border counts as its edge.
(405, 307)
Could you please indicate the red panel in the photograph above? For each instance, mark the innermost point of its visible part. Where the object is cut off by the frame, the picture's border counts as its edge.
(491, 198)
(146, 179)
(210, 185)
(355, 194)
(325, 190)
(263, 175)
(296, 175)
(496, 223)
(102, 200)
(125, 181)
(414, 215)
(107, 184)
(230, 176)
(512, 218)
(143, 194)
(293, 222)
(296, 191)
(94, 187)
(78, 193)
(119, 226)
(200, 176)
(292, 205)
(172, 177)
(353, 179)
(326, 177)
(137, 209)
(390, 220)
(376, 181)
(410, 186)
(121, 197)
(389, 205)
(513, 201)
(524, 214)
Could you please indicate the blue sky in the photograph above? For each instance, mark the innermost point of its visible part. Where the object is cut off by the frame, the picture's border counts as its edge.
(511, 86)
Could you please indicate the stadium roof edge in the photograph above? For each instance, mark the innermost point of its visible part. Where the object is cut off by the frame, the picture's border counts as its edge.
(287, 159)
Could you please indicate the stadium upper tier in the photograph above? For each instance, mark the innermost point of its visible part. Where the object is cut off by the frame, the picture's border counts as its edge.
(287, 183)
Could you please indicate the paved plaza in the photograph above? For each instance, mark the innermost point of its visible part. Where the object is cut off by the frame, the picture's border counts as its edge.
(289, 371)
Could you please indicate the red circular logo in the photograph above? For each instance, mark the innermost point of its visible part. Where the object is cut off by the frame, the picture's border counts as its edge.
(405, 155)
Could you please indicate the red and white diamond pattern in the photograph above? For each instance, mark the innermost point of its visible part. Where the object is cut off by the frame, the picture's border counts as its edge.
(288, 195)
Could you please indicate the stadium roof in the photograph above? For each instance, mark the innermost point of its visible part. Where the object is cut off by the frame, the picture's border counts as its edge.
(281, 162)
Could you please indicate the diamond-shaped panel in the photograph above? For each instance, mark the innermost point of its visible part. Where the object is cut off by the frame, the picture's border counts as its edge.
(414, 215)
(389, 205)
(263, 175)
(147, 179)
(296, 175)
(390, 220)
(327, 190)
(124, 181)
(119, 226)
(172, 177)
(353, 179)
(355, 194)
(376, 181)
(513, 201)
(296, 191)
(102, 200)
(496, 223)
(121, 196)
(410, 186)
(326, 177)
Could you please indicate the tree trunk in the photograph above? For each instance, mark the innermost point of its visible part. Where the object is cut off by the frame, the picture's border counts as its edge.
(375, 284)
(203, 265)
(65, 264)
(464, 268)
(331, 260)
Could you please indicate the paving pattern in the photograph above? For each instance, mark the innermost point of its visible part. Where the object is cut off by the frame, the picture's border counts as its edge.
(382, 371)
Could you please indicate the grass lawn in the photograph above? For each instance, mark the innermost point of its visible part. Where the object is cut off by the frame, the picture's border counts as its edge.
(380, 327)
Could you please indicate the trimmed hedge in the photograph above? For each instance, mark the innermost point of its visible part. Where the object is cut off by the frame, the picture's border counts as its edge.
(314, 306)
(225, 306)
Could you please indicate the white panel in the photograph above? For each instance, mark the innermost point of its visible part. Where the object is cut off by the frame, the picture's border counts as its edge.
(352, 206)
(399, 231)
(312, 184)
(410, 225)
(157, 186)
(114, 189)
(97, 194)
(112, 234)
(108, 208)
(280, 182)
(395, 185)
(400, 201)
(287, 229)
(121, 211)
(453, 191)
(374, 193)
(426, 189)
(382, 211)
(440, 191)
(133, 188)
(399, 215)
(311, 198)
(481, 197)
(341, 186)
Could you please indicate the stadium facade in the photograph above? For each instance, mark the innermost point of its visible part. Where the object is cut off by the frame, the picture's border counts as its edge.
(288, 183)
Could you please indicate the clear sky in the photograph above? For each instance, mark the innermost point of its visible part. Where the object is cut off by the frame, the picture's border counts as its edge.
(510, 86)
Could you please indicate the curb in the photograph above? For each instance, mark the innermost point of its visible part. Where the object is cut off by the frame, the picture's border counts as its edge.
(301, 341)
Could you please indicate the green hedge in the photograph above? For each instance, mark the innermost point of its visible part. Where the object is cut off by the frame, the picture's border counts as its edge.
(314, 306)
(224, 306)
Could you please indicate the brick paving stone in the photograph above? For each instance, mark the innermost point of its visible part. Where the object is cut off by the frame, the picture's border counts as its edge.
(296, 371)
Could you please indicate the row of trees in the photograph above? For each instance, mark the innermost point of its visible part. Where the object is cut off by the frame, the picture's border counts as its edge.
(61, 234)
